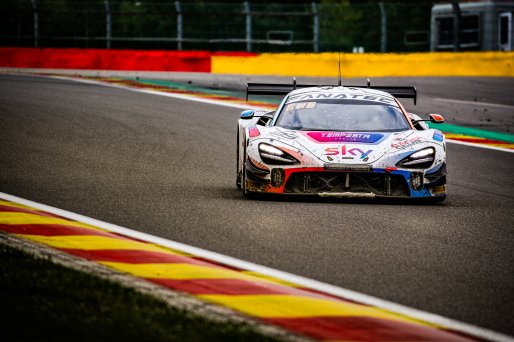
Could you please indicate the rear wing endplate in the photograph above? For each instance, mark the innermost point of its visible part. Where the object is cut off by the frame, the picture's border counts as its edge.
(284, 89)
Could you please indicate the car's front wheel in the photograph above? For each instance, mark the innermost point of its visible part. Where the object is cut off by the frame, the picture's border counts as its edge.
(238, 174)
(243, 176)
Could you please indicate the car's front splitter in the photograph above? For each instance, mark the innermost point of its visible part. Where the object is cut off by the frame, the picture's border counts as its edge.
(390, 183)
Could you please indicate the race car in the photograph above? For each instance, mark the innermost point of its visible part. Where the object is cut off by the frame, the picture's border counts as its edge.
(340, 141)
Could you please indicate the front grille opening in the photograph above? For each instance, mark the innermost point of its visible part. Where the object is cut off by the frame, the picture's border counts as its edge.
(361, 182)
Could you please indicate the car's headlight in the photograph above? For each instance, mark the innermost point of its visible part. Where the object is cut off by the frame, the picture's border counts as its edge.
(275, 156)
(421, 159)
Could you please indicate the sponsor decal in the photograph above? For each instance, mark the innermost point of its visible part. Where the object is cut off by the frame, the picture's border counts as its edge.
(403, 144)
(345, 137)
(343, 151)
(284, 134)
(438, 136)
(300, 105)
(339, 96)
(253, 132)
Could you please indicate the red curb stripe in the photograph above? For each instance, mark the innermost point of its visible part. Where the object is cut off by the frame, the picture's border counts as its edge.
(230, 287)
(195, 286)
(9, 209)
(363, 329)
(134, 256)
(53, 230)
(340, 327)
(329, 296)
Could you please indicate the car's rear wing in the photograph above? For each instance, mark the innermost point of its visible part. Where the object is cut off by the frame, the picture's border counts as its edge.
(283, 89)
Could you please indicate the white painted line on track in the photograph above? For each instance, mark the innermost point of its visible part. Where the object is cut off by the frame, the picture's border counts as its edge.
(160, 93)
(289, 277)
(232, 105)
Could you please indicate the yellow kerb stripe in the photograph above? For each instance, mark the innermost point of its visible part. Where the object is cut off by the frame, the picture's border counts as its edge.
(292, 306)
(502, 145)
(270, 278)
(461, 136)
(26, 218)
(15, 205)
(179, 271)
(89, 242)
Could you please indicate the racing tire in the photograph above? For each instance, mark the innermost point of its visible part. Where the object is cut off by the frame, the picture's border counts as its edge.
(245, 191)
(243, 177)
(238, 174)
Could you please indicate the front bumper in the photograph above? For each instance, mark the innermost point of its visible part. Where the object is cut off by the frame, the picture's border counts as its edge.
(352, 184)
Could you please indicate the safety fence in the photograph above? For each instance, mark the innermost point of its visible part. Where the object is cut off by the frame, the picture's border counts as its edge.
(201, 25)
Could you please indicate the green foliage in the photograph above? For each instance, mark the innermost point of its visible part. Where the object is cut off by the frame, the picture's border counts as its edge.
(340, 25)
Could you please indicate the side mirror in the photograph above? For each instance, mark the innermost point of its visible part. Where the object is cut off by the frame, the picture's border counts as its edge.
(247, 114)
(436, 118)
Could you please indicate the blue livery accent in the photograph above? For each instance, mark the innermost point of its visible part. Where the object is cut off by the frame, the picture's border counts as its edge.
(407, 175)
(438, 136)
(247, 113)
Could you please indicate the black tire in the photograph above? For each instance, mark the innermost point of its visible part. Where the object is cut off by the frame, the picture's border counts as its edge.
(243, 176)
(238, 174)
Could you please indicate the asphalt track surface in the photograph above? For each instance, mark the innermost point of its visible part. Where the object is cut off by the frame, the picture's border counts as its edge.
(167, 167)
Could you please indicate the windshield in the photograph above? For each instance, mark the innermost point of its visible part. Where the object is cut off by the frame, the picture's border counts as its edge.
(342, 115)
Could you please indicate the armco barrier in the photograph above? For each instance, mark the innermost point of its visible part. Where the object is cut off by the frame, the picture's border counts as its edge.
(286, 64)
(369, 65)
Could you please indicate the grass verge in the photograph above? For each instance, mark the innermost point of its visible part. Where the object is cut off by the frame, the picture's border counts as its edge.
(43, 301)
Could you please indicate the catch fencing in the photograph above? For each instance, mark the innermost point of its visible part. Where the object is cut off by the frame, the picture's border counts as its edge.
(201, 25)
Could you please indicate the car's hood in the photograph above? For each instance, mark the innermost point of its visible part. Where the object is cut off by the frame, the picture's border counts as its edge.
(350, 147)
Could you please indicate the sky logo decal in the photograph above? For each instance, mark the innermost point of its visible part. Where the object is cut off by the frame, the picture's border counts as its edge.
(334, 151)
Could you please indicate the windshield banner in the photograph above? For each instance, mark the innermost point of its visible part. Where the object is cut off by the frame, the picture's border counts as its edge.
(345, 137)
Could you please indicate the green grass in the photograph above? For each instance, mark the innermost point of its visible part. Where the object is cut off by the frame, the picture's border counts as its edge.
(43, 301)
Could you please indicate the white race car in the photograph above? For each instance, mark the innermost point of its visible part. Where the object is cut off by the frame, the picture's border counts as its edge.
(341, 141)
